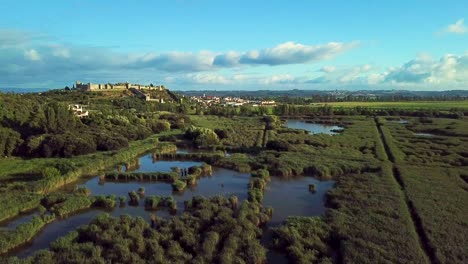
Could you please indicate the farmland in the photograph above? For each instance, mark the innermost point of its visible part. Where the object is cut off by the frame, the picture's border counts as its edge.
(411, 105)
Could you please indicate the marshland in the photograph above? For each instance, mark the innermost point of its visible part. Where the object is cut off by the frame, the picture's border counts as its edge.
(305, 184)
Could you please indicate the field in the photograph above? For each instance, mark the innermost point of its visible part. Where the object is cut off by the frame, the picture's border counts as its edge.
(430, 169)
(410, 105)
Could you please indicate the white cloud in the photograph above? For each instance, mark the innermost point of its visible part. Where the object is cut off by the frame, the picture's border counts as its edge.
(449, 69)
(32, 55)
(236, 79)
(295, 53)
(277, 79)
(176, 61)
(342, 75)
(228, 59)
(328, 69)
(423, 72)
(457, 28)
(60, 51)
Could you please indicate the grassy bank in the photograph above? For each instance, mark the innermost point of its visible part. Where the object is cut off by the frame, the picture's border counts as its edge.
(92, 164)
(23, 233)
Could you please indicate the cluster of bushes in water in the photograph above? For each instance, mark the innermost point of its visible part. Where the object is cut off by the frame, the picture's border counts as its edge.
(211, 230)
(155, 202)
(257, 185)
(180, 178)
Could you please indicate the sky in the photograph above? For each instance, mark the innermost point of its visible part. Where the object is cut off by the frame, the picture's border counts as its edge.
(230, 45)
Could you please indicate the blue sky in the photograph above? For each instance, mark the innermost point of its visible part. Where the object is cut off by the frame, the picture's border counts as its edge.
(419, 45)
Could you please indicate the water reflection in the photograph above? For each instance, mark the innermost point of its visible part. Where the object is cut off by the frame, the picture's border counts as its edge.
(313, 128)
(18, 220)
(424, 134)
(292, 197)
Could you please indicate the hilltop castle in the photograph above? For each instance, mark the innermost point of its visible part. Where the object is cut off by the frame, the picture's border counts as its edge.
(117, 86)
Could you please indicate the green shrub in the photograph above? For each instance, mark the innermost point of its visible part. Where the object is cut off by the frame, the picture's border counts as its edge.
(179, 185)
(71, 205)
(255, 195)
(134, 198)
(104, 201)
(152, 202)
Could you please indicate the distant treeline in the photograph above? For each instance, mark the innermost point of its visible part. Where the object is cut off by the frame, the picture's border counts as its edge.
(312, 96)
(327, 110)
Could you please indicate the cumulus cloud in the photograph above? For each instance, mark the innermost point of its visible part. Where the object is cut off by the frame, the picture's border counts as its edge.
(15, 38)
(457, 28)
(341, 75)
(236, 79)
(328, 69)
(32, 55)
(176, 61)
(283, 54)
(228, 59)
(199, 78)
(449, 69)
(278, 79)
(295, 53)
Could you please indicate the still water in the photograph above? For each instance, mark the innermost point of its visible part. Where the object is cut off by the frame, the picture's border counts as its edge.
(313, 128)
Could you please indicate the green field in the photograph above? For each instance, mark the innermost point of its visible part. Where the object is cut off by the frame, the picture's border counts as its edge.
(436, 105)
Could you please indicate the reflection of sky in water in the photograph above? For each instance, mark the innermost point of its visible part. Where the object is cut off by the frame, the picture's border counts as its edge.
(18, 220)
(424, 134)
(292, 197)
(313, 128)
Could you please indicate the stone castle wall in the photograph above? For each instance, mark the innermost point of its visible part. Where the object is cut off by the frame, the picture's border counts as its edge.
(107, 86)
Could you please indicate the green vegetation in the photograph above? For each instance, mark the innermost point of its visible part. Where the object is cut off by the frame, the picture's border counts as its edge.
(104, 201)
(71, 205)
(141, 176)
(430, 176)
(134, 198)
(372, 224)
(410, 105)
(438, 197)
(210, 231)
(14, 202)
(399, 167)
(304, 239)
(23, 233)
(179, 185)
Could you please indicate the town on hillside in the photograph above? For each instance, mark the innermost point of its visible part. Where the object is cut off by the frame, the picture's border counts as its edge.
(209, 100)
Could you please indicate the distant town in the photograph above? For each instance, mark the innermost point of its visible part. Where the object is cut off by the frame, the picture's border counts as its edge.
(209, 100)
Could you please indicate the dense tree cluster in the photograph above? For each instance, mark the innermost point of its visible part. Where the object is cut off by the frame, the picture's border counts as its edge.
(214, 230)
(202, 137)
(38, 126)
